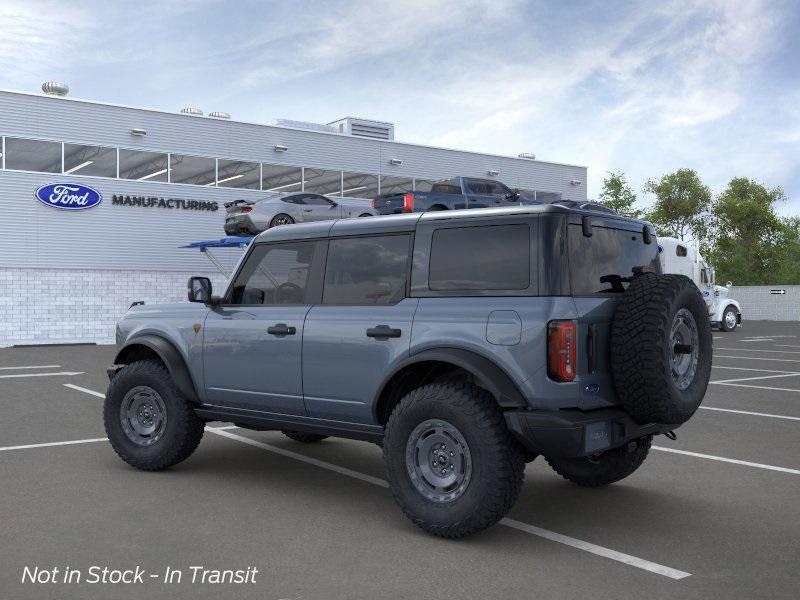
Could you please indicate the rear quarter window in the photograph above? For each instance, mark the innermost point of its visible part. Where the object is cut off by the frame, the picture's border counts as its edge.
(606, 254)
(492, 258)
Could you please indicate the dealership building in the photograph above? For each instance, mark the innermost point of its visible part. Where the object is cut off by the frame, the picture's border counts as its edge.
(159, 181)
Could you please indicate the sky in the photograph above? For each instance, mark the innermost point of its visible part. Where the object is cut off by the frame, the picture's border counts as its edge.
(639, 87)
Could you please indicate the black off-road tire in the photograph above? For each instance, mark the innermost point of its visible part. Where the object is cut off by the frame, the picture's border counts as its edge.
(723, 325)
(183, 429)
(642, 349)
(607, 468)
(497, 464)
(306, 438)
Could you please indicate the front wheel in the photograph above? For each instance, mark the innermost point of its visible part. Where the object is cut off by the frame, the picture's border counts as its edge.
(729, 319)
(452, 465)
(609, 467)
(149, 423)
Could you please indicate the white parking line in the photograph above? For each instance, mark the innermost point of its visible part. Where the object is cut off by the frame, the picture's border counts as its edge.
(598, 550)
(756, 340)
(794, 360)
(754, 378)
(760, 350)
(747, 412)
(537, 531)
(84, 390)
(48, 444)
(16, 375)
(786, 346)
(728, 460)
(759, 387)
(750, 369)
(31, 367)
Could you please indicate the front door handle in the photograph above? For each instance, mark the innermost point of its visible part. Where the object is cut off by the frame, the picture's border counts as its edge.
(383, 331)
(307, 209)
(281, 329)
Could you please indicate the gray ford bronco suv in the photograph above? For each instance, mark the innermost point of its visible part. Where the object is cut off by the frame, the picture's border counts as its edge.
(464, 342)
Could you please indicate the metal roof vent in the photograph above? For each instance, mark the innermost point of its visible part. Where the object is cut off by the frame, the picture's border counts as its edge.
(527, 155)
(303, 125)
(219, 115)
(192, 110)
(53, 88)
(376, 130)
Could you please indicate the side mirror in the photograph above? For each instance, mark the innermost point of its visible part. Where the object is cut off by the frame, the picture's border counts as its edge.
(729, 284)
(334, 204)
(199, 289)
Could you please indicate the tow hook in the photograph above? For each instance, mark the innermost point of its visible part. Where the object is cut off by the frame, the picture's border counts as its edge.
(671, 435)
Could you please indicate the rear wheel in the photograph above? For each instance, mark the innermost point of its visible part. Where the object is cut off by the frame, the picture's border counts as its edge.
(150, 425)
(611, 466)
(281, 219)
(306, 438)
(729, 319)
(452, 465)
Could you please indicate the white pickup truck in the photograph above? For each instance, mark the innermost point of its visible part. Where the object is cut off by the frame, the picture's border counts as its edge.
(682, 258)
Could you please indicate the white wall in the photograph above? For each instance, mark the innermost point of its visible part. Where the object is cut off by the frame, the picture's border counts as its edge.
(759, 304)
(39, 306)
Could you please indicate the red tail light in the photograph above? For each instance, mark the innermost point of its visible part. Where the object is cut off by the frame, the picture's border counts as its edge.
(374, 202)
(408, 202)
(561, 350)
(246, 209)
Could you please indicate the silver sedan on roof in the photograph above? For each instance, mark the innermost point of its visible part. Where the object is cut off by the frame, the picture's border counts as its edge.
(251, 217)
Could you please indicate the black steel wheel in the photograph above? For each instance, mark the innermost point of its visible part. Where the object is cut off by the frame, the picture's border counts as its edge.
(149, 423)
(452, 465)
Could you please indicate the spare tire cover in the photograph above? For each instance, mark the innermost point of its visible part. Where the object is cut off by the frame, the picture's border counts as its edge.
(661, 348)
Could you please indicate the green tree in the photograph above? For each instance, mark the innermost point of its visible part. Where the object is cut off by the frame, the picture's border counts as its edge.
(751, 244)
(681, 205)
(618, 195)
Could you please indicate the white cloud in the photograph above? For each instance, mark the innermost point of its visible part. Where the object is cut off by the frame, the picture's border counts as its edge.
(35, 36)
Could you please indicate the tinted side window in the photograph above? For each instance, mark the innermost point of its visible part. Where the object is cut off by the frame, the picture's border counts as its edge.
(274, 274)
(297, 199)
(366, 270)
(681, 251)
(609, 254)
(317, 200)
(478, 187)
(498, 189)
(444, 187)
(481, 258)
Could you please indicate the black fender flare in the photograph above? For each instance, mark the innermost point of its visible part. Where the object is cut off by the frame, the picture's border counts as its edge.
(169, 355)
(488, 375)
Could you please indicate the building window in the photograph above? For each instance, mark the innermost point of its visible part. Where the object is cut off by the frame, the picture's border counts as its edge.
(490, 267)
(196, 170)
(238, 174)
(143, 166)
(325, 182)
(396, 185)
(33, 155)
(366, 270)
(98, 161)
(423, 185)
(359, 185)
(280, 178)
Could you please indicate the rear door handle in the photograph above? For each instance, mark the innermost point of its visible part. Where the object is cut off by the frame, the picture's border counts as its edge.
(383, 331)
(281, 329)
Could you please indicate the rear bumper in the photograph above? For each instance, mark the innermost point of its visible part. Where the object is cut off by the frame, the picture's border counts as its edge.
(575, 433)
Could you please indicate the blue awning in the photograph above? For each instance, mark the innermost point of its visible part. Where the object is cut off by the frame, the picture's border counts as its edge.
(238, 241)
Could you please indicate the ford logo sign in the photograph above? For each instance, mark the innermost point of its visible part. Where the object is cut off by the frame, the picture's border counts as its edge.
(68, 196)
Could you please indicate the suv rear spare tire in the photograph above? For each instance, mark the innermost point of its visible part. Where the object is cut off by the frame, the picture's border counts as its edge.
(661, 348)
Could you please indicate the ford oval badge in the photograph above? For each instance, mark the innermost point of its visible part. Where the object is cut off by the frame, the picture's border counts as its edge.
(68, 196)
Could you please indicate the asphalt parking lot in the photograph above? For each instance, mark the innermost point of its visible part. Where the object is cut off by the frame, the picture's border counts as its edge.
(715, 514)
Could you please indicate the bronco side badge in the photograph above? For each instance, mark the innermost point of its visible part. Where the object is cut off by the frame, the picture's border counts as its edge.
(197, 327)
